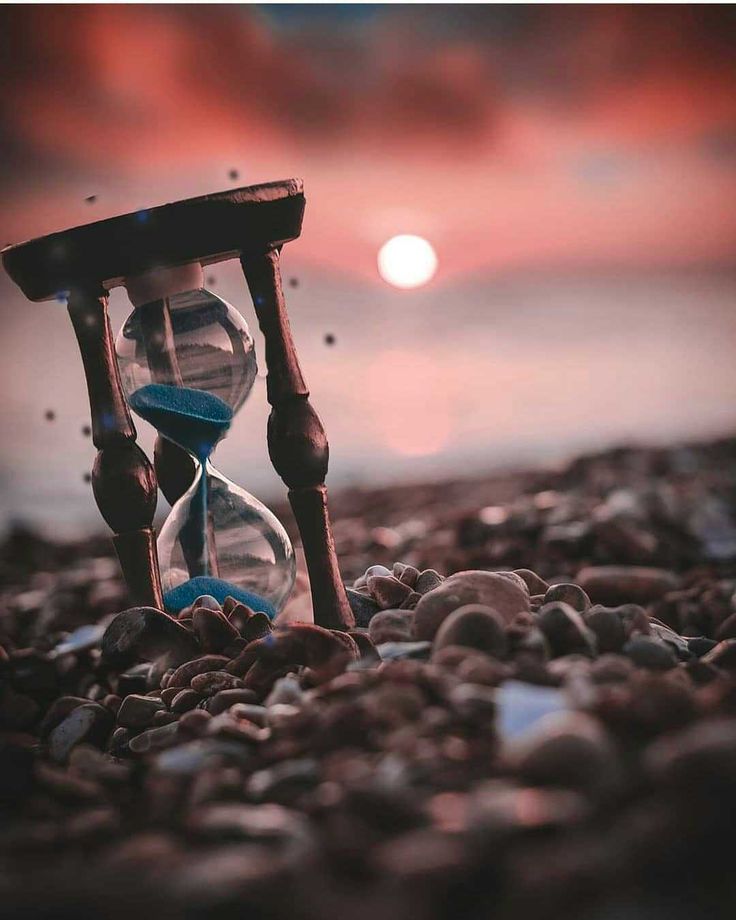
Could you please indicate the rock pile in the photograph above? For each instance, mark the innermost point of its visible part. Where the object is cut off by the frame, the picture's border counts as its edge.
(500, 741)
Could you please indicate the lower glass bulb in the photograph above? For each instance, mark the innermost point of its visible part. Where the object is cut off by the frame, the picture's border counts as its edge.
(220, 540)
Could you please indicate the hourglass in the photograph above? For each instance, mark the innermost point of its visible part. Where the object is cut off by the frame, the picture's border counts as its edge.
(186, 362)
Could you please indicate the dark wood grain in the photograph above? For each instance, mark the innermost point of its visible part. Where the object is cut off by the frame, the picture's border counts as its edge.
(123, 479)
(297, 443)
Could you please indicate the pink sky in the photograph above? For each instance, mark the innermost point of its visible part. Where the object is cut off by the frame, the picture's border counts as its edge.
(566, 136)
(573, 166)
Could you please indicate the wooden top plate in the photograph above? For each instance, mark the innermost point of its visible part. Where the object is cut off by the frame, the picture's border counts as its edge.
(208, 229)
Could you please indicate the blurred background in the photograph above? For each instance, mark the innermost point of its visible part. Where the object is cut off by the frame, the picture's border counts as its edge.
(572, 167)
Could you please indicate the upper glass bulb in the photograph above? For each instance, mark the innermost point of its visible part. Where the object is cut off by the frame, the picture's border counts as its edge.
(193, 339)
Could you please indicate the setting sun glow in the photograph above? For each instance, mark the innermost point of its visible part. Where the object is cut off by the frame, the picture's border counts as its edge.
(407, 261)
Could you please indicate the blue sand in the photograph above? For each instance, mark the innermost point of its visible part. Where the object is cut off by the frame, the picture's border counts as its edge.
(187, 593)
(194, 419)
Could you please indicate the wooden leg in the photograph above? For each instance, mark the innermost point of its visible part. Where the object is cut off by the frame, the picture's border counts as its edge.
(123, 479)
(297, 443)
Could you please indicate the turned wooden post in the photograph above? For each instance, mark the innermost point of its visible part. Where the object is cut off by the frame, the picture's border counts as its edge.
(297, 443)
(123, 479)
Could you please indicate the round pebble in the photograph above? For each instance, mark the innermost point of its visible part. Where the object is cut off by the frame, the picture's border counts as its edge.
(474, 626)
(473, 587)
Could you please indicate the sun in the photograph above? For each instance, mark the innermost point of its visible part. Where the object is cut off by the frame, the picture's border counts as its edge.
(407, 261)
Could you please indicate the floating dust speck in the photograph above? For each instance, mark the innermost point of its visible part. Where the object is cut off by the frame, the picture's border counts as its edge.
(90, 199)
(294, 282)
(86, 431)
(87, 477)
(234, 174)
(49, 415)
(330, 339)
(211, 281)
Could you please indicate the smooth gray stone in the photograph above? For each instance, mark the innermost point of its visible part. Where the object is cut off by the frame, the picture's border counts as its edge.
(519, 706)
(90, 723)
(363, 607)
(395, 651)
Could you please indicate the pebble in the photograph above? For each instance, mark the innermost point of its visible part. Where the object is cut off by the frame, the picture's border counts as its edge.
(535, 584)
(138, 711)
(184, 674)
(620, 584)
(134, 680)
(366, 647)
(212, 682)
(727, 629)
(611, 669)
(427, 581)
(88, 724)
(285, 690)
(698, 765)
(520, 706)
(474, 626)
(567, 751)
(635, 619)
(224, 699)
(527, 640)
(490, 589)
(496, 807)
(608, 628)
(650, 653)
(387, 591)
(194, 722)
(185, 700)
(214, 631)
(154, 738)
(700, 646)
(193, 757)
(58, 711)
(257, 626)
(407, 574)
(363, 606)
(410, 601)
(516, 579)
(565, 630)
(396, 651)
(669, 637)
(207, 602)
(390, 626)
(569, 594)
(81, 640)
(112, 702)
(168, 694)
(118, 745)
(144, 632)
(723, 656)
(283, 782)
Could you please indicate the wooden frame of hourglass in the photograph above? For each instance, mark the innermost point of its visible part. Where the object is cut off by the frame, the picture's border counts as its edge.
(251, 224)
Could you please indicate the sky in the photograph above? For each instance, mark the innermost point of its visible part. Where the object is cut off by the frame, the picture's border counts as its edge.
(574, 168)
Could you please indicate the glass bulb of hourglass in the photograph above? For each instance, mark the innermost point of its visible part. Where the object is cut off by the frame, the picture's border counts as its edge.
(193, 340)
(240, 543)
(187, 363)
